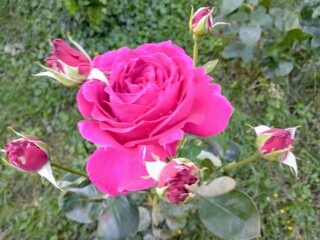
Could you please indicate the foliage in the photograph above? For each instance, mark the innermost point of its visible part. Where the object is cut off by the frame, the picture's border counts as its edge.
(269, 69)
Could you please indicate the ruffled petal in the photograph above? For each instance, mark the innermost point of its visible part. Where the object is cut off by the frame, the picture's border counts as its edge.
(92, 132)
(114, 171)
(214, 109)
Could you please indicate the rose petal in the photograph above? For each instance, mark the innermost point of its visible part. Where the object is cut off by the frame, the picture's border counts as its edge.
(92, 132)
(114, 171)
(215, 109)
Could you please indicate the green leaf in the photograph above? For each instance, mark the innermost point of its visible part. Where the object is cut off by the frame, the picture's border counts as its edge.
(315, 42)
(217, 187)
(78, 205)
(238, 50)
(144, 219)
(163, 234)
(231, 216)
(316, 12)
(176, 211)
(284, 19)
(228, 6)
(252, 2)
(209, 155)
(233, 50)
(239, 17)
(260, 17)
(176, 224)
(284, 68)
(210, 66)
(292, 35)
(233, 152)
(72, 180)
(120, 219)
(250, 34)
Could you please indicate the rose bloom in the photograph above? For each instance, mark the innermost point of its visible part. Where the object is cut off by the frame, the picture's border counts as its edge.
(154, 96)
(25, 155)
(174, 178)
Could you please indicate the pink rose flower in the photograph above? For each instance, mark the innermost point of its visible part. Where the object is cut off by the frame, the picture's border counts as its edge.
(154, 96)
(68, 61)
(174, 179)
(25, 155)
(275, 144)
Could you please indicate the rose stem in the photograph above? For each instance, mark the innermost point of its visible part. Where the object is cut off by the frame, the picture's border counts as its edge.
(241, 163)
(68, 169)
(195, 49)
(154, 208)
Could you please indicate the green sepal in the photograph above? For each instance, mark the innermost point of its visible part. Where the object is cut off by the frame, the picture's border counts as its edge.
(210, 66)
(201, 28)
(72, 72)
(161, 192)
(79, 47)
(190, 19)
(261, 139)
(276, 155)
(58, 77)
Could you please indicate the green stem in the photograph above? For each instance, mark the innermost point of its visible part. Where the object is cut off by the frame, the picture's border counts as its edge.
(241, 163)
(195, 49)
(68, 169)
(181, 144)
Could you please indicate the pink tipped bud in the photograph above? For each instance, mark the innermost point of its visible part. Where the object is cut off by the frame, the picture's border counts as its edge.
(202, 21)
(176, 180)
(275, 144)
(25, 154)
(64, 57)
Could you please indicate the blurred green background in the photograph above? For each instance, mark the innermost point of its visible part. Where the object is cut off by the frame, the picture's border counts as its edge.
(269, 69)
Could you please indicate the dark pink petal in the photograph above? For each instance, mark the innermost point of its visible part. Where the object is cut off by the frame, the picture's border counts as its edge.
(84, 68)
(67, 54)
(36, 158)
(114, 171)
(202, 12)
(84, 106)
(281, 139)
(212, 107)
(92, 132)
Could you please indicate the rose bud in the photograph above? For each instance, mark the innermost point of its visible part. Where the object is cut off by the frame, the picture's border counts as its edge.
(177, 180)
(201, 23)
(69, 66)
(275, 144)
(29, 154)
(69, 61)
(25, 155)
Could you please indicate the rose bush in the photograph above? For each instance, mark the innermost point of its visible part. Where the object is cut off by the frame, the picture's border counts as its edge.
(154, 96)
